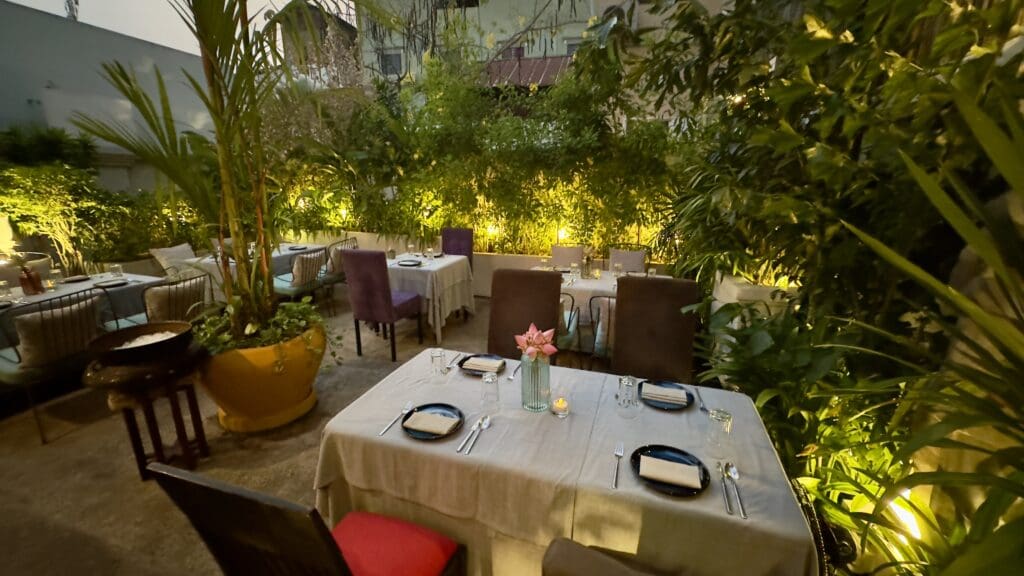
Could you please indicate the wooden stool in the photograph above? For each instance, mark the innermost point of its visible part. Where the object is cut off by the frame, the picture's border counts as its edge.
(132, 386)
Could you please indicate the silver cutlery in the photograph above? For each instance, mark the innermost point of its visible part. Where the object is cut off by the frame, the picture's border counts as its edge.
(700, 399)
(406, 410)
(725, 490)
(476, 426)
(512, 376)
(734, 475)
(618, 458)
(454, 360)
(484, 425)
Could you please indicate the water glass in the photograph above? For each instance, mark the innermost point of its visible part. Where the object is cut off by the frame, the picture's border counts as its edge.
(438, 368)
(5, 290)
(617, 270)
(430, 253)
(574, 271)
(410, 249)
(490, 399)
(719, 427)
(116, 270)
(544, 264)
(651, 272)
(628, 399)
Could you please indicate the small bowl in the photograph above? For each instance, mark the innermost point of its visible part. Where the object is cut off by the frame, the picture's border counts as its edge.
(106, 351)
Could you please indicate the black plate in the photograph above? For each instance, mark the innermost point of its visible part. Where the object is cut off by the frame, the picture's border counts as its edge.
(296, 248)
(436, 408)
(436, 255)
(410, 263)
(472, 372)
(660, 405)
(73, 279)
(111, 283)
(672, 455)
(5, 304)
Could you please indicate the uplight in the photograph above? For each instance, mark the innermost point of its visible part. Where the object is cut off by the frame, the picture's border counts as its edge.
(906, 517)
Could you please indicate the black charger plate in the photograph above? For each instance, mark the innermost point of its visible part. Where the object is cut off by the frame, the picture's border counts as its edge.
(435, 408)
(111, 283)
(73, 279)
(296, 248)
(472, 372)
(672, 455)
(410, 263)
(662, 405)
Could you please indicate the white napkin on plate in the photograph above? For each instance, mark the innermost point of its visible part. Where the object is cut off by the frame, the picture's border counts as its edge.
(652, 391)
(686, 475)
(430, 422)
(484, 364)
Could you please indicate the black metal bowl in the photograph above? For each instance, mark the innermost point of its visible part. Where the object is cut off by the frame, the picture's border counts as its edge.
(106, 350)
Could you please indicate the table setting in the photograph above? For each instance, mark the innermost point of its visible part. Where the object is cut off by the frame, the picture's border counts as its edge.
(443, 281)
(507, 462)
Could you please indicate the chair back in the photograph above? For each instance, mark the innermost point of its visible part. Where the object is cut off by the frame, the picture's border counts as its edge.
(172, 257)
(631, 259)
(307, 268)
(458, 241)
(181, 300)
(369, 289)
(252, 533)
(334, 255)
(35, 261)
(564, 256)
(602, 318)
(519, 297)
(47, 331)
(653, 338)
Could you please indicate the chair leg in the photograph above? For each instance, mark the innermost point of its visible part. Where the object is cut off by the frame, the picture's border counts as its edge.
(419, 326)
(197, 419)
(179, 428)
(384, 331)
(136, 440)
(393, 356)
(154, 430)
(35, 413)
(359, 343)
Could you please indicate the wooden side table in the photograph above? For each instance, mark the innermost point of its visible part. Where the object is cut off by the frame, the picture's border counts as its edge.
(132, 386)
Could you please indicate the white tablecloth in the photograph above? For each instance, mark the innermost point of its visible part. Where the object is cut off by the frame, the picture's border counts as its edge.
(445, 284)
(533, 477)
(281, 262)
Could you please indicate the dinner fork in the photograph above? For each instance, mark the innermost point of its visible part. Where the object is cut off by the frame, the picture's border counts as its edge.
(405, 410)
(618, 457)
(700, 399)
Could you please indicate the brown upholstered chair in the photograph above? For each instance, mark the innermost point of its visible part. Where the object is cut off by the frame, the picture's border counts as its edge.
(519, 297)
(565, 557)
(653, 339)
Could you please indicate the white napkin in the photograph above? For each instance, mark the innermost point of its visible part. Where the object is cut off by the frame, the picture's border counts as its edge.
(430, 422)
(670, 472)
(652, 391)
(484, 364)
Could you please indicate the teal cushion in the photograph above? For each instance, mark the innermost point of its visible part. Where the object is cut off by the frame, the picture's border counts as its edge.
(283, 286)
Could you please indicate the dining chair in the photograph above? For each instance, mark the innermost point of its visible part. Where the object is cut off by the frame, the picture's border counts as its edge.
(518, 298)
(252, 533)
(568, 323)
(335, 272)
(181, 298)
(458, 241)
(602, 322)
(305, 278)
(632, 257)
(371, 296)
(172, 257)
(48, 343)
(653, 338)
(565, 557)
(565, 256)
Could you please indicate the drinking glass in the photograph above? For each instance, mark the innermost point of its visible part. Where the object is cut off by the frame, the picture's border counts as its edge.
(410, 249)
(651, 272)
(628, 398)
(719, 426)
(116, 270)
(617, 270)
(54, 278)
(438, 369)
(5, 290)
(544, 263)
(490, 399)
(574, 271)
(430, 253)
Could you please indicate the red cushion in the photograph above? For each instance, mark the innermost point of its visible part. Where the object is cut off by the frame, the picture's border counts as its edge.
(375, 545)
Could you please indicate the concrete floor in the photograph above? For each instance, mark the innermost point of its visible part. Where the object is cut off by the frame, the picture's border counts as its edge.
(76, 505)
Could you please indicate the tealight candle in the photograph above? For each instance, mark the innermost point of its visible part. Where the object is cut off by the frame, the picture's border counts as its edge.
(560, 407)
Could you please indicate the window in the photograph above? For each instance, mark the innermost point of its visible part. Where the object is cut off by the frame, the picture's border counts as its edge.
(391, 63)
(512, 53)
(571, 46)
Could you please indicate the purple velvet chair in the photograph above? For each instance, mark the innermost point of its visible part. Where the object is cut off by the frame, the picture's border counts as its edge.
(458, 241)
(371, 297)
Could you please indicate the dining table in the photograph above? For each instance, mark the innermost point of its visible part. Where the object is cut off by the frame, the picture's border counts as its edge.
(443, 281)
(533, 477)
(281, 263)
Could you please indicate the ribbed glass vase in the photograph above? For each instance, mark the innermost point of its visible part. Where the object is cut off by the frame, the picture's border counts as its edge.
(536, 381)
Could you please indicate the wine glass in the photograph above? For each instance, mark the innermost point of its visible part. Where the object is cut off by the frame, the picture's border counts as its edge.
(617, 269)
(430, 253)
(5, 290)
(574, 271)
(410, 249)
(544, 264)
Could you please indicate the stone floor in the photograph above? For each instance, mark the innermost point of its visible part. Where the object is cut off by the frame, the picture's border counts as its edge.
(76, 505)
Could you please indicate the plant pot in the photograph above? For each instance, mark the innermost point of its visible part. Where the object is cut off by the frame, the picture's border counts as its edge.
(262, 388)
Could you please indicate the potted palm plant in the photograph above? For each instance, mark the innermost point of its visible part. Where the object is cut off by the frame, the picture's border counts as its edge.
(264, 355)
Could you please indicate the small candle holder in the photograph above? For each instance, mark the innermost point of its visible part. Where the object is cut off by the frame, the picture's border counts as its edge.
(561, 400)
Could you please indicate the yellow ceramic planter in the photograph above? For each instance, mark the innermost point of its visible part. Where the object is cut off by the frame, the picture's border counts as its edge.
(262, 388)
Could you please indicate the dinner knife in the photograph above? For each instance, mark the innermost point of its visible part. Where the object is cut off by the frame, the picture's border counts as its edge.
(725, 489)
(476, 426)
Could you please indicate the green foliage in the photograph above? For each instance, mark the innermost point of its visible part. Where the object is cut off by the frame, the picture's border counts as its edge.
(290, 319)
(36, 145)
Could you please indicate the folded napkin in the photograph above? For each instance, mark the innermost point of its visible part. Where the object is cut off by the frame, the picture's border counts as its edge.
(484, 364)
(670, 472)
(652, 391)
(430, 422)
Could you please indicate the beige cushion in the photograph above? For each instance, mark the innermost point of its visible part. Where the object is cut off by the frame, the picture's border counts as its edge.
(49, 335)
(172, 257)
(181, 302)
(334, 265)
(563, 256)
(631, 260)
(306, 267)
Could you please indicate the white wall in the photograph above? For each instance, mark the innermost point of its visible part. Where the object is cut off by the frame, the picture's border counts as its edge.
(50, 67)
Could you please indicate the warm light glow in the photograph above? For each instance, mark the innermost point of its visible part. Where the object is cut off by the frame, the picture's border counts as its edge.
(344, 212)
(906, 515)
(492, 230)
(561, 404)
(562, 234)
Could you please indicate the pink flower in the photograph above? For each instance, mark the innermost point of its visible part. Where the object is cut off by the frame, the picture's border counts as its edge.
(535, 343)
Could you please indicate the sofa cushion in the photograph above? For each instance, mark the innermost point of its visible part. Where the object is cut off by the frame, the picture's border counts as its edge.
(50, 335)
